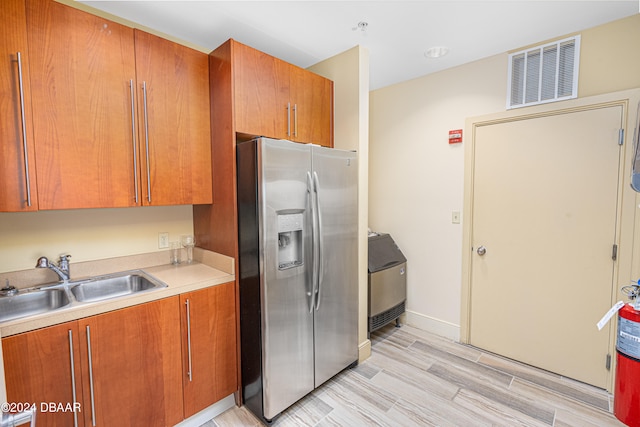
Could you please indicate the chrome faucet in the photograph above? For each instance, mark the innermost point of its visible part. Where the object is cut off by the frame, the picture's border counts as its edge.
(19, 418)
(62, 269)
(8, 290)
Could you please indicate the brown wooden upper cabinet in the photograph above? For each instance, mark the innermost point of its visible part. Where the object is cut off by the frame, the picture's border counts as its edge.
(276, 99)
(120, 117)
(173, 121)
(18, 191)
(255, 94)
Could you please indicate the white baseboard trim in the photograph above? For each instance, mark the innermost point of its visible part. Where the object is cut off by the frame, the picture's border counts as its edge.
(364, 350)
(430, 324)
(208, 413)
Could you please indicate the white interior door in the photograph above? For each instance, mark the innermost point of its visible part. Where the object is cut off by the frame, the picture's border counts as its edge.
(544, 211)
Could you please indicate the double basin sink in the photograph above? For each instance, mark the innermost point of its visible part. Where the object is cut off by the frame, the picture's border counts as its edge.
(44, 299)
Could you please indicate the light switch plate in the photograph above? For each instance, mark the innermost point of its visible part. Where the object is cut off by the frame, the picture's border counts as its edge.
(455, 217)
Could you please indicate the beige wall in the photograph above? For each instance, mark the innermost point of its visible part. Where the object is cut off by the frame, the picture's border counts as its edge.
(610, 57)
(87, 234)
(350, 74)
(416, 178)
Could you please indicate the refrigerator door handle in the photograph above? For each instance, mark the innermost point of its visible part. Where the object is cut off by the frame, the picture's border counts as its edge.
(320, 245)
(310, 193)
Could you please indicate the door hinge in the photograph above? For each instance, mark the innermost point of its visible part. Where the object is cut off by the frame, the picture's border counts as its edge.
(608, 362)
(621, 137)
(614, 252)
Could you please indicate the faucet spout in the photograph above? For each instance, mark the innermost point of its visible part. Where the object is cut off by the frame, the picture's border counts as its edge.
(62, 269)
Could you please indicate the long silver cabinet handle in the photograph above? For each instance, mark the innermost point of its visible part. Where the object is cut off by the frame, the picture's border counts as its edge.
(295, 120)
(288, 119)
(73, 378)
(316, 185)
(93, 405)
(190, 373)
(24, 131)
(133, 135)
(146, 138)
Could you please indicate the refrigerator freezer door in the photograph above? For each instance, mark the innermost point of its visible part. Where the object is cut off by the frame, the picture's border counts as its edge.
(285, 239)
(336, 317)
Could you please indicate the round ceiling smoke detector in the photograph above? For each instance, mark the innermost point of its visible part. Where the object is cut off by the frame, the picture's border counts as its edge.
(436, 52)
(362, 26)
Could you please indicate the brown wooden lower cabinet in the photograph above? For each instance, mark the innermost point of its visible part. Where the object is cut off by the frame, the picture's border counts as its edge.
(209, 346)
(131, 358)
(38, 369)
(130, 367)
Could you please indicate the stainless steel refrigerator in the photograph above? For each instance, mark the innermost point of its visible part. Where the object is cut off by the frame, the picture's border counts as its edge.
(297, 207)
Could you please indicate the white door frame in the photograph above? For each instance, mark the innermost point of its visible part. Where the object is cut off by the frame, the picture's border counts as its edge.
(627, 267)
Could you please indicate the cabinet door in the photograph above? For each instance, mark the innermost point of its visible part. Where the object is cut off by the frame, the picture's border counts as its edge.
(81, 67)
(133, 356)
(312, 97)
(209, 346)
(17, 174)
(261, 93)
(44, 366)
(174, 122)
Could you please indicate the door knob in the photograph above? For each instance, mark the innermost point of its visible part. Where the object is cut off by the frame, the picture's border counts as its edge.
(481, 250)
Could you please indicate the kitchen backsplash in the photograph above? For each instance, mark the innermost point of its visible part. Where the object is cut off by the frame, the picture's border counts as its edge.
(39, 276)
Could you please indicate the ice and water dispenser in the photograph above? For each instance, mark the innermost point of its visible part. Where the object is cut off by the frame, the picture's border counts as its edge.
(290, 240)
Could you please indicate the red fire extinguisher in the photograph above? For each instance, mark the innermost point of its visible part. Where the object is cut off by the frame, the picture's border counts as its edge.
(626, 398)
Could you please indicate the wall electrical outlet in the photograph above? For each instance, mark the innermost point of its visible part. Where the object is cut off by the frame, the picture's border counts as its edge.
(163, 240)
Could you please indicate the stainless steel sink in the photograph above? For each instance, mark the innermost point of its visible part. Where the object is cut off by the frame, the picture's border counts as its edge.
(38, 300)
(31, 303)
(112, 286)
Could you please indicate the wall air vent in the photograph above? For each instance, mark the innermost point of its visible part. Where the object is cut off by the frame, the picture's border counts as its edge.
(545, 73)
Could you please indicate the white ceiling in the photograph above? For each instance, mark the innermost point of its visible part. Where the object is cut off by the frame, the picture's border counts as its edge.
(397, 35)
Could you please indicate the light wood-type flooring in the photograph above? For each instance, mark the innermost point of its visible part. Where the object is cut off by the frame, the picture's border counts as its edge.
(414, 378)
